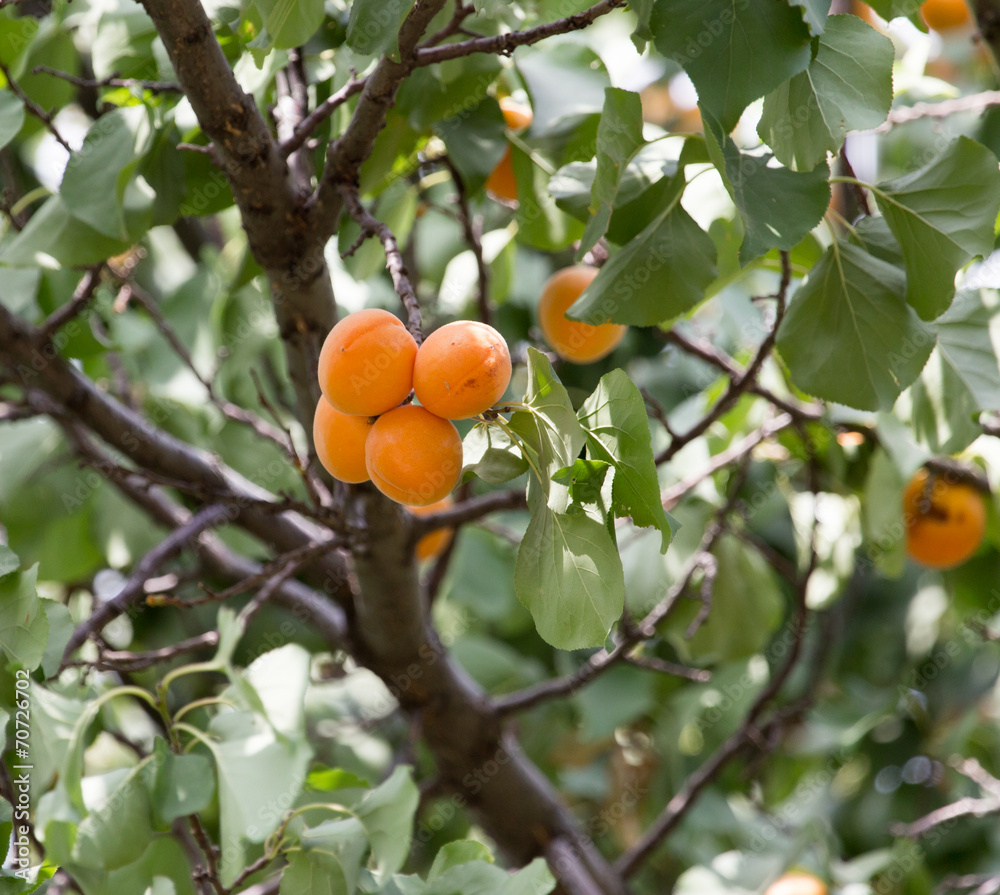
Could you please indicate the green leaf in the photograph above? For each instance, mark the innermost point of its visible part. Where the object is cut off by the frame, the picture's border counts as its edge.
(618, 433)
(658, 275)
(9, 561)
(491, 455)
(24, 627)
(343, 840)
(848, 86)
(61, 627)
(565, 81)
(461, 852)
(619, 138)
(779, 207)
(585, 480)
(11, 117)
(183, 784)
(453, 90)
(569, 576)
(968, 339)
(557, 436)
(472, 878)
(814, 14)
(849, 335)
(290, 23)
(535, 879)
(746, 608)
(614, 699)
(255, 773)
(944, 415)
(943, 215)
(373, 27)
(541, 224)
(118, 831)
(387, 815)
(892, 9)
(312, 873)
(98, 185)
(54, 238)
(734, 50)
(475, 142)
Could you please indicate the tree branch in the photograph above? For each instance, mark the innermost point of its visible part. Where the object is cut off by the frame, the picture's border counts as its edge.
(393, 258)
(505, 44)
(147, 567)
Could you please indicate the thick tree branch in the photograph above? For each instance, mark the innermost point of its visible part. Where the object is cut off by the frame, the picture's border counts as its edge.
(282, 239)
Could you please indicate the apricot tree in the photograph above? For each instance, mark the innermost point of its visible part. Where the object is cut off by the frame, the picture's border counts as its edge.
(676, 323)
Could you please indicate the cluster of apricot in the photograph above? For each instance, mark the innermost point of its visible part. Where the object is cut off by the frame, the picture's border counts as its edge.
(364, 429)
(945, 520)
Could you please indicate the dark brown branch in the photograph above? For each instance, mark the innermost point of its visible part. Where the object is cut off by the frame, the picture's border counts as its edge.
(282, 239)
(734, 452)
(120, 660)
(147, 567)
(505, 44)
(81, 297)
(33, 108)
(701, 675)
(472, 233)
(601, 661)
(322, 614)
(115, 80)
(307, 126)
(393, 258)
(711, 355)
(737, 387)
(469, 511)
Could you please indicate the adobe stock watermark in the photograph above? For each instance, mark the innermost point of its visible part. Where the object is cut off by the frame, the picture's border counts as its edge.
(21, 795)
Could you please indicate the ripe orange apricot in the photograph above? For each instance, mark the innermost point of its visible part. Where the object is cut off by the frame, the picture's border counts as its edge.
(502, 182)
(572, 340)
(944, 14)
(366, 364)
(462, 369)
(413, 456)
(797, 884)
(945, 520)
(433, 545)
(340, 442)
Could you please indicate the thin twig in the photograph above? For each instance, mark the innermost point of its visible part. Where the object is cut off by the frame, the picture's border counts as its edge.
(742, 448)
(115, 80)
(31, 106)
(393, 258)
(743, 383)
(974, 102)
(701, 675)
(469, 511)
(133, 590)
(305, 128)
(472, 232)
(84, 291)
